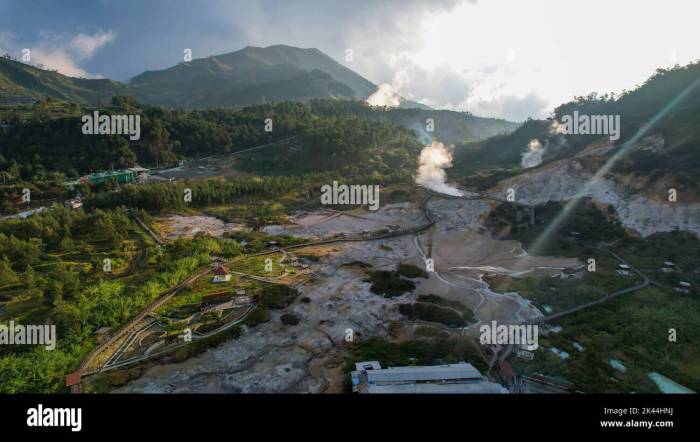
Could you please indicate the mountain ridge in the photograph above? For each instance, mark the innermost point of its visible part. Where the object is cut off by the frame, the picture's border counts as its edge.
(291, 74)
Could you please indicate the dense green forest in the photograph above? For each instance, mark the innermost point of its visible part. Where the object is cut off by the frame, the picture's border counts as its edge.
(169, 197)
(41, 147)
(52, 272)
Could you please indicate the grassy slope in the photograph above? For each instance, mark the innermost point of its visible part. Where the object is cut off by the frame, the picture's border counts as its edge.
(21, 79)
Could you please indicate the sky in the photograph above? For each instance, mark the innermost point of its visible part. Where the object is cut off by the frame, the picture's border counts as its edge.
(510, 59)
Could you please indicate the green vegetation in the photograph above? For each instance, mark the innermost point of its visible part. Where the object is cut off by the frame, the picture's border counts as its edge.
(465, 311)
(677, 164)
(502, 151)
(39, 149)
(257, 316)
(349, 143)
(241, 78)
(432, 313)
(634, 329)
(586, 226)
(434, 308)
(389, 283)
(450, 127)
(20, 80)
(589, 228)
(277, 296)
(55, 263)
(411, 271)
(289, 319)
(360, 264)
(355, 139)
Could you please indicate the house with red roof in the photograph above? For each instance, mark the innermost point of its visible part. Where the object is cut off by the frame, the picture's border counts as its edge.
(221, 274)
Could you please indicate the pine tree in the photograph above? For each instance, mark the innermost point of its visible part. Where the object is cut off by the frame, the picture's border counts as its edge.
(7, 275)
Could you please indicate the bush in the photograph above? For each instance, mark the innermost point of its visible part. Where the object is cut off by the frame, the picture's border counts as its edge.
(433, 313)
(289, 319)
(389, 284)
(467, 314)
(258, 316)
(411, 271)
(277, 296)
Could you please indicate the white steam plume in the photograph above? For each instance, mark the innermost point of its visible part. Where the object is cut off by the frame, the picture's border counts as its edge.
(388, 94)
(384, 96)
(556, 127)
(434, 159)
(533, 156)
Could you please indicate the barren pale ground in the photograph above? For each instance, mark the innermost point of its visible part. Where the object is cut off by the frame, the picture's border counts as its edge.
(308, 357)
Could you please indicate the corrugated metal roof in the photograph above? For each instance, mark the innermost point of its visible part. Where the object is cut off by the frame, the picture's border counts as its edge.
(423, 373)
(481, 387)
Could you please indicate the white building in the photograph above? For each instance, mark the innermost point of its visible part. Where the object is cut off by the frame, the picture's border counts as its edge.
(683, 287)
(74, 203)
(623, 269)
(221, 274)
(668, 267)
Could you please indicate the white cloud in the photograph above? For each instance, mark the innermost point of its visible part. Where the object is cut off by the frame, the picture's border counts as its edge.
(84, 46)
(501, 58)
(59, 52)
(510, 107)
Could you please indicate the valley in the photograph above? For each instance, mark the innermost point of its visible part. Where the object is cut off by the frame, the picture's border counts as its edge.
(203, 258)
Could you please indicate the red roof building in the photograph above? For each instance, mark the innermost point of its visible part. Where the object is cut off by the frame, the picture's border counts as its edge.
(221, 270)
(506, 372)
(73, 381)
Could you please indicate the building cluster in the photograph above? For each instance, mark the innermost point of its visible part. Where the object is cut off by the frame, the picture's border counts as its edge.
(136, 174)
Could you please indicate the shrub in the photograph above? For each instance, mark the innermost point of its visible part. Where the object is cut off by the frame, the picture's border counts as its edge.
(411, 271)
(433, 313)
(258, 316)
(277, 296)
(389, 284)
(289, 319)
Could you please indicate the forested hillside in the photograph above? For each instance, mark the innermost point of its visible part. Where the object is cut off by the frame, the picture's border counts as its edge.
(345, 135)
(23, 80)
(660, 118)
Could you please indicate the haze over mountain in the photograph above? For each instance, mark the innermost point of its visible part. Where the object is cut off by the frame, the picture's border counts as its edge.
(249, 76)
